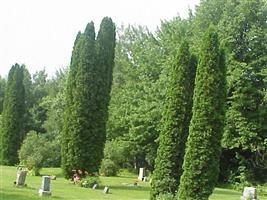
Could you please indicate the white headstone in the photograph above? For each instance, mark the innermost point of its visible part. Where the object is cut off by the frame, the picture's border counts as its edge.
(21, 177)
(95, 186)
(45, 187)
(249, 193)
(141, 174)
(106, 190)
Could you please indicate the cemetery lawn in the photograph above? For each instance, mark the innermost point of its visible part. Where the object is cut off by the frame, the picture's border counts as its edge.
(121, 188)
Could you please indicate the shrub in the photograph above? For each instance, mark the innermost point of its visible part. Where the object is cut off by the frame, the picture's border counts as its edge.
(166, 196)
(109, 168)
(262, 189)
(89, 182)
(118, 151)
(37, 151)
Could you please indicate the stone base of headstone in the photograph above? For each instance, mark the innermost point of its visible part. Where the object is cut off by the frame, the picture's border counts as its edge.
(44, 193)
(106, 190)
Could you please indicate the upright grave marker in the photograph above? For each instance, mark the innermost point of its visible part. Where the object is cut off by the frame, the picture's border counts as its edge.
(141, 174)
(249, 193)
(45, 187)
(21, 177)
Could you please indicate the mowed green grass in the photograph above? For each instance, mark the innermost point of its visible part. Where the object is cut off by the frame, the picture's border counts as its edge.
(121, 188)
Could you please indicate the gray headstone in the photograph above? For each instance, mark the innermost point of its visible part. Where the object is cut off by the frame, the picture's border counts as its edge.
(94, 186)
(141, 174)
(106, 190)
(249, 193)
(21, 177)
(45, 187)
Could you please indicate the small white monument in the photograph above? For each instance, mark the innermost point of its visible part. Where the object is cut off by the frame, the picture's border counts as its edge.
(106, 190)
(249, 193)
(21, 177)
(141, 174)
(45, 187)
(95, 186)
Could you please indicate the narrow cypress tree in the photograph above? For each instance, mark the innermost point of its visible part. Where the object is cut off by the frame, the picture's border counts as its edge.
(12, 132)
(177, 115)
(78, 114)
(68, 114)
(201, 164)
(85, 131)
(87, 97)
(105, 48)
(2, 93)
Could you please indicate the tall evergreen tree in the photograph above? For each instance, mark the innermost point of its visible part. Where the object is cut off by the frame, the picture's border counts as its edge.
(82, 64)
(2, 93)
(177, 115)
(105, 50)
(12, 132)
(29, 100)
(201, 164)
(87, 98)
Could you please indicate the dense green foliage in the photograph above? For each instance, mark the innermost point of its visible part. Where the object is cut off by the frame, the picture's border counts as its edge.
(2, 93)
(105, 52)
(201, 162)
(12, 130)
(243, 29)
(38, 151)
(176, 118)
(139, 87)
(75, 118)
(87, 99)
(109, 168)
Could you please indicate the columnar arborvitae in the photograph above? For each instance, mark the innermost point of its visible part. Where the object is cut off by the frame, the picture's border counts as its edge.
(176, 118)
(201, 163)
(12, 130)
(76, 117)
(87, 99)
(105, 48)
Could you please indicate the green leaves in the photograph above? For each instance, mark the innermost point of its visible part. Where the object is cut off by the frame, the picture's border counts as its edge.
(87, 98)
(37, 151)
(176, 118)
(201, 162)
(13, 124)
(243, 29)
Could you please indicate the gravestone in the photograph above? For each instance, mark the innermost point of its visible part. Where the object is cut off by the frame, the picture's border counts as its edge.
(45, 187)
(249, 193)
(141, 174)
(21, 177)
(95, 186)
(106, 190)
